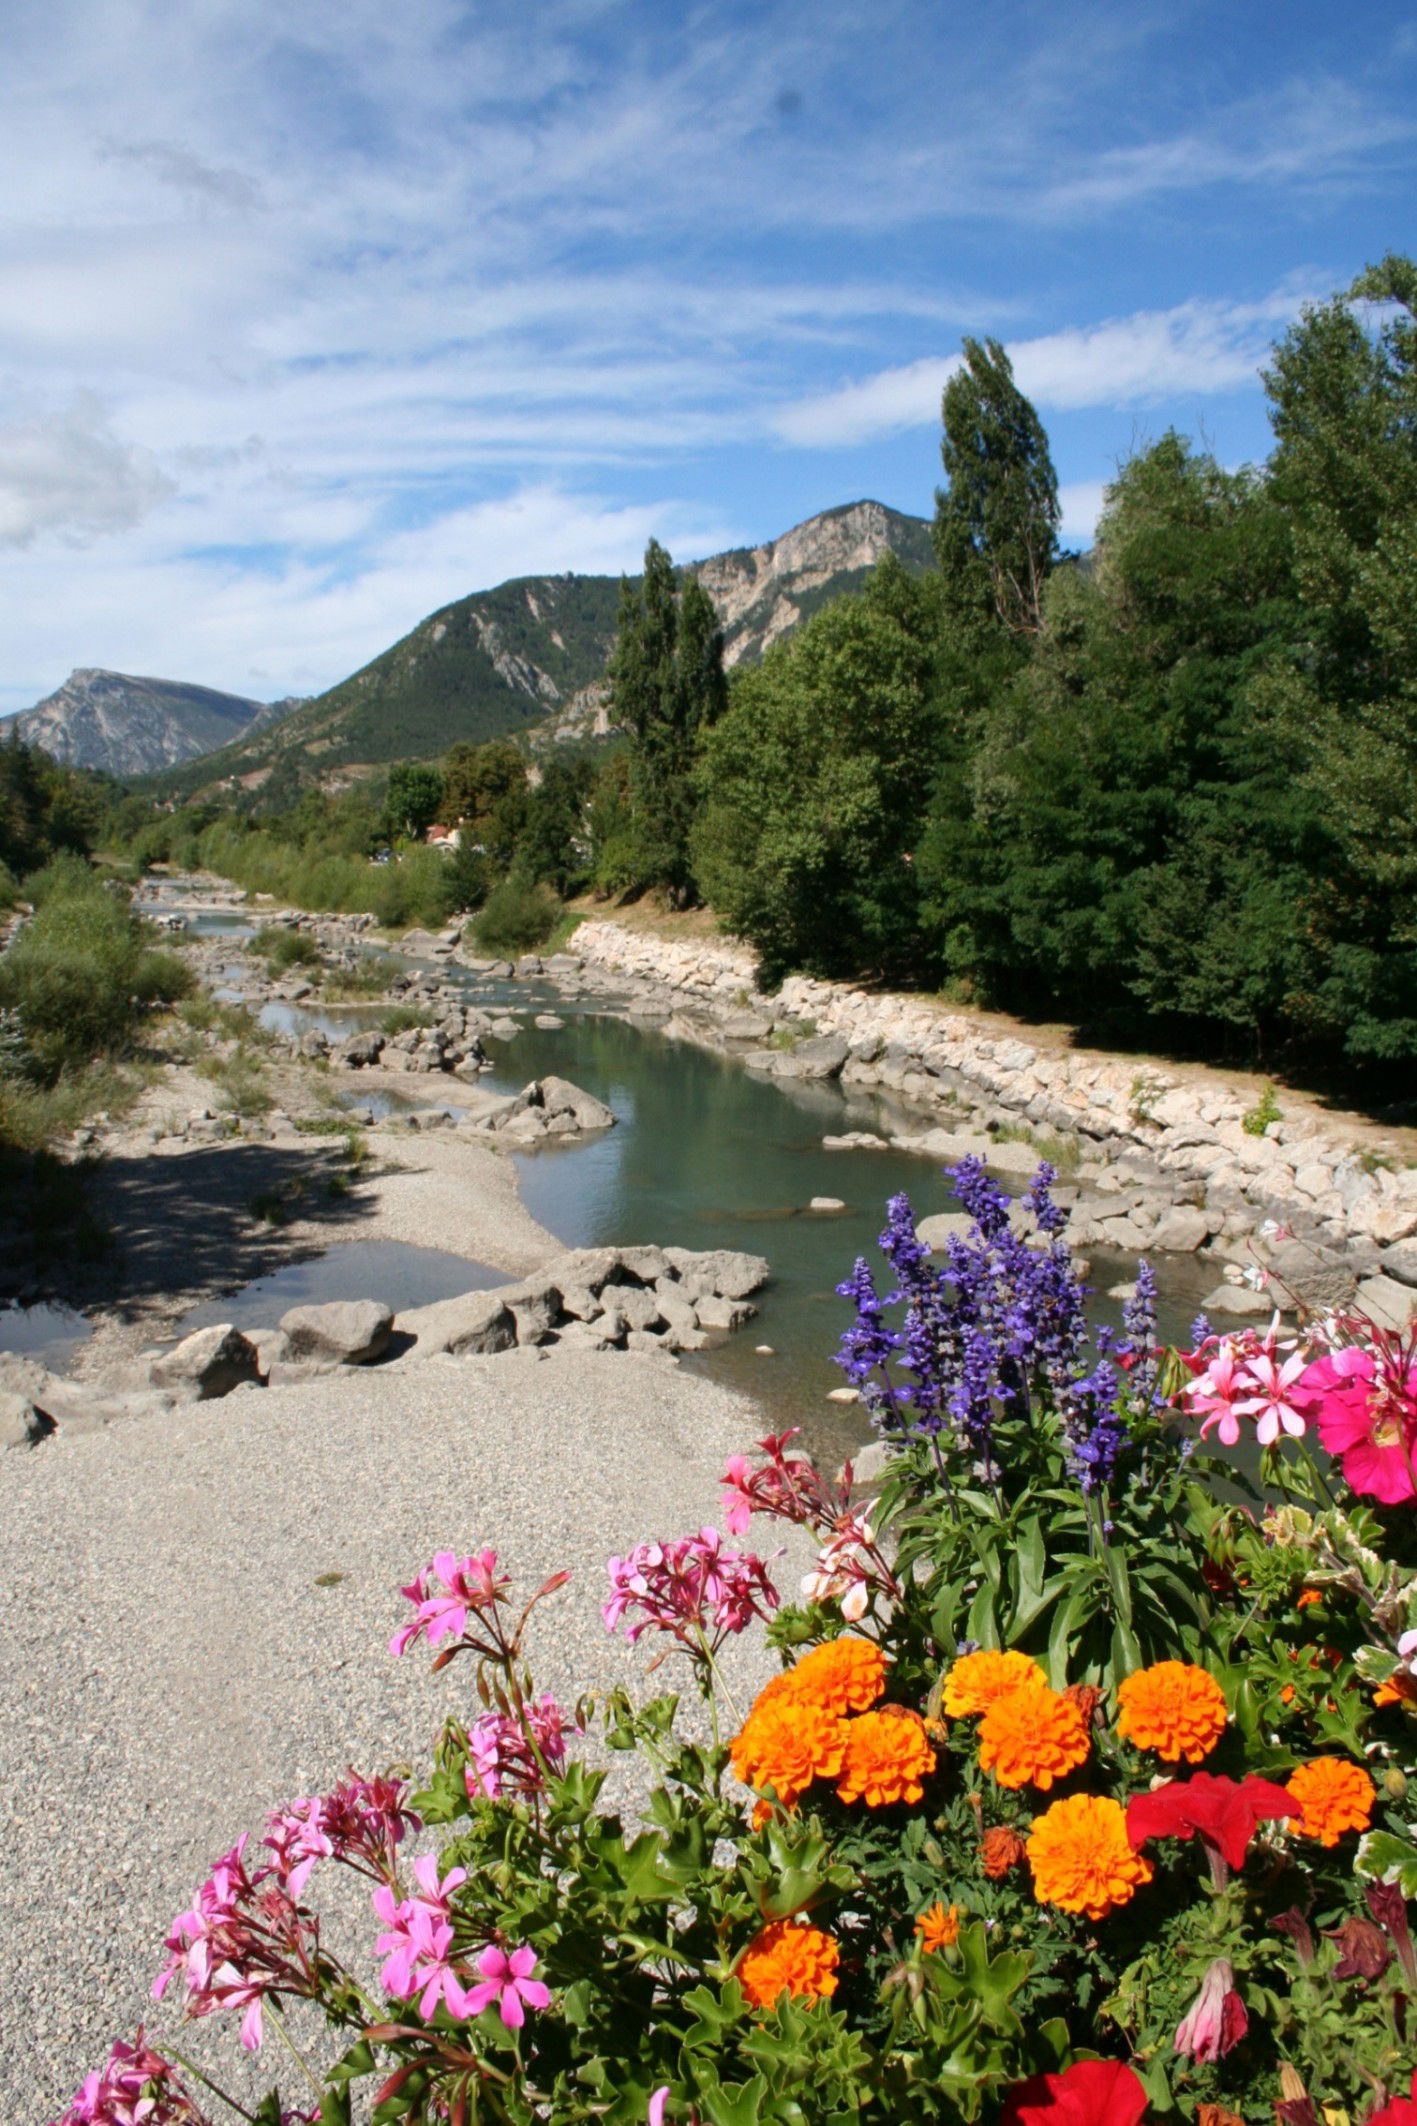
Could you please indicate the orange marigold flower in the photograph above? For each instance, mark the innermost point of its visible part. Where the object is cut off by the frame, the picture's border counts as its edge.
(1307, 1598)
(786, 1744)
(1032, 1737)
(1400, 1689)
(886, 1758)
(1217, 2115)
(1082, 1858)
(845, 1675)
(938, 1928)
(791, 1959)
(1333, 1795)
(976, 1680)
(1003, 1849)
(1173, 1708)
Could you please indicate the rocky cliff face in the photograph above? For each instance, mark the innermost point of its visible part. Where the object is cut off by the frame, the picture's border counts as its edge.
(764, 592)
(130, 726)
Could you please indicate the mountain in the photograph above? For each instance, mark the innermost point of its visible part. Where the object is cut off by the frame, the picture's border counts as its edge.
(529, 656)
(128, 726)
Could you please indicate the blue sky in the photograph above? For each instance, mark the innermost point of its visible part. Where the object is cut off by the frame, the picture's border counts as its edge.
(313, 318)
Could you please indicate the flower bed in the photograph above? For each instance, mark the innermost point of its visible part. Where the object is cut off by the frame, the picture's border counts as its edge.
(1081, 1795)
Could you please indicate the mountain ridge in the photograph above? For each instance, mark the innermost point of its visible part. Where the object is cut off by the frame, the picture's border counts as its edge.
(124, 724)
(528, 657)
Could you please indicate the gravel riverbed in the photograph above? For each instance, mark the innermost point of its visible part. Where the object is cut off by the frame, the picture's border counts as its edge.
(173, 1668)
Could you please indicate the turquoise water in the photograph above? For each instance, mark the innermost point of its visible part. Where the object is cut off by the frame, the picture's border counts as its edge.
(708, 1155)
(391, 1270)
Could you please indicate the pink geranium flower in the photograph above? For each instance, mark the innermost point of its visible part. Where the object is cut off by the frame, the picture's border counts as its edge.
(1274, 1397)
(136, 2087)
(417, 1939)
(1366, 1396)
(692, 1588)
(507, 1980)
(469, 1583)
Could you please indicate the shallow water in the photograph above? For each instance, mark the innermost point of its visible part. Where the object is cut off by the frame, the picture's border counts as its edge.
(706, 1154)
(392, 1270)
(52, 1334)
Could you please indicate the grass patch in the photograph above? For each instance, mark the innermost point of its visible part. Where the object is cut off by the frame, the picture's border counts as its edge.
(1062, 1153)
(240, 1082)
(1256, 1120)
(354, 985)
(405, 1018)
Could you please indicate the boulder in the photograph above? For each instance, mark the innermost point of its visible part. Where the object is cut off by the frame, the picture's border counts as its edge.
(1401, 1262)
(535, 1308)
(348, 1332)
(548, 1022)
(559, 1096)
(472, 1324)
(360, 1050)
(821, 1057)
(648, 1264)
(1010, 1157)
(716, 1311)
(272, 1347)
(1390, 1304)
(21, 1424)
(826, 1203)
(420, 945)
(208, 1363)
(855, 1140)
(1181, 1230)
(943, 1226)
(747, 1026)
(1240, 1299)
(724, 1271)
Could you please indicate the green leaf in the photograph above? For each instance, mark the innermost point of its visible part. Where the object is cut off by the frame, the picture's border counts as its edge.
(982, 1624)
(1383, 1857)
(740, 2105)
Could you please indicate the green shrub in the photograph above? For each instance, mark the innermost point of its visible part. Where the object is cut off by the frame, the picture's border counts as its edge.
(281, 949)
(82, 975)
(1256, 1120)
(517, 917)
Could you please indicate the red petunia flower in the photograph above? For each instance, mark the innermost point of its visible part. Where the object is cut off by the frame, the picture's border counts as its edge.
(1401, 2111)
(1221, 1812)
(1090, 2093)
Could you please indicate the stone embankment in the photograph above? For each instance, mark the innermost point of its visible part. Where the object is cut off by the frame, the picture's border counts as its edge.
(1163, 1160)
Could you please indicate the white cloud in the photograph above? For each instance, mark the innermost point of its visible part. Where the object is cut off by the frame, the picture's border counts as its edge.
(1195, 349)
(1081, 504)
(68, 473)
(296, 627)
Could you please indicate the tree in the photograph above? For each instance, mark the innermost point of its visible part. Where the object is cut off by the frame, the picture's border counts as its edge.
(415, 794)
(1124, 836)
(814, 785)
(667, 688)
(1343, 397)
(996, 520)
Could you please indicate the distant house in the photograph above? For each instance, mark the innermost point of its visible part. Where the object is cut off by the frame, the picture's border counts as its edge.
(448, 838)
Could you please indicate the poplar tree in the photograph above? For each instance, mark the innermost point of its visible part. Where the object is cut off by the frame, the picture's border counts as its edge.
(996, 520)
(667, 687)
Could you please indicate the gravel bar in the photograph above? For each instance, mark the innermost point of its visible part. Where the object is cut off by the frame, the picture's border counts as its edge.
(173, 1667)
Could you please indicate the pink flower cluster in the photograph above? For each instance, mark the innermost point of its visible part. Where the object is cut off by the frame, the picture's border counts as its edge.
(243, 1939)
(137, 2087)
(418, 1945)
(788, 1487)
(1248, 1376)
(362, 1823)
(512, 1756)
(693, 1589)
(1360, 1395)
(468, 1584)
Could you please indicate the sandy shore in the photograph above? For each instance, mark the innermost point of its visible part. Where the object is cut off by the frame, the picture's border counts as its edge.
(190, 1221)
(173, 1666)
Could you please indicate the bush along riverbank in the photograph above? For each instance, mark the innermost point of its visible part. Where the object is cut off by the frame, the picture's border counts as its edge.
(1080, 1796)
(1167, 1160)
